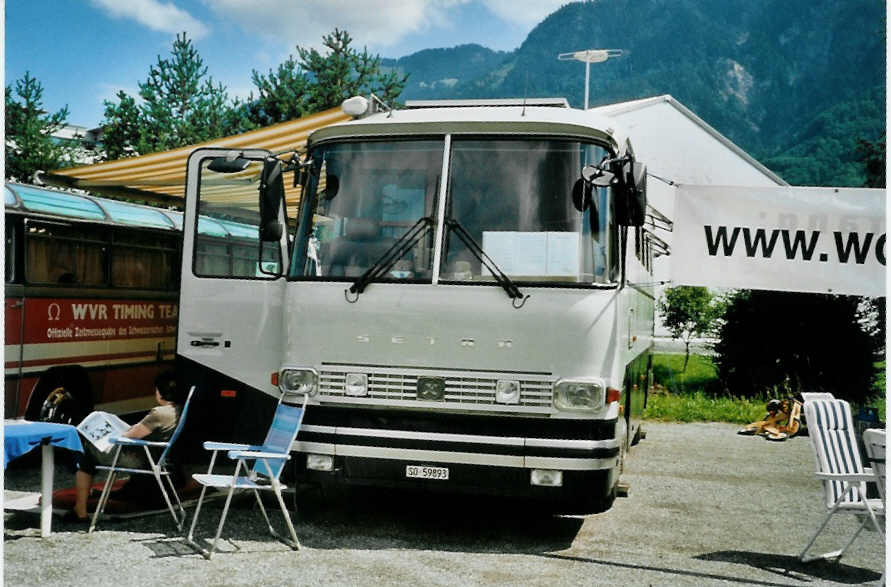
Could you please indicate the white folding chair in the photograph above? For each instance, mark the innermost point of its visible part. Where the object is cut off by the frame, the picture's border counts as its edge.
(874, 442)
(268, 462)
(158, 469)
(840, 470)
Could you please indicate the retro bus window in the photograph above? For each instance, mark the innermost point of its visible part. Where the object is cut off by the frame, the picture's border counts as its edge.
(514, 198)
(227, 240)
(9, 252)
(65, 255)
(363, 198)
(143, 261)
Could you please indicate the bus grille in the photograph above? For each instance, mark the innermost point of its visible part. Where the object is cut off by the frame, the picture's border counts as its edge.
(465, 388)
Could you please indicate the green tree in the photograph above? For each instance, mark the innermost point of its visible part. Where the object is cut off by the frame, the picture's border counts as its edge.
(344, 72)
(770, 341)
(181, 105)
(688, 313)
(122, 128)
(29, 143)
(873, 156)
(316, 81)
(282, 94)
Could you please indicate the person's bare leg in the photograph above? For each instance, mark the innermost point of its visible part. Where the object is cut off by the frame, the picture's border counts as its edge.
(82, 483)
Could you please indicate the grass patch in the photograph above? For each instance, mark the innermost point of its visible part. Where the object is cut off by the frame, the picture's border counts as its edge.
(700, 375)
(699, 407)
(695, 395)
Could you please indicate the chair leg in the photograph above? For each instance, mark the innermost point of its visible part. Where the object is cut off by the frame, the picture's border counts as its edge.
(179, 503)
(106, 490)
(263, 511)
(195, 517)
(157, 474)
(103, 499)
(287, 516)
(810, 543)
(216, 538)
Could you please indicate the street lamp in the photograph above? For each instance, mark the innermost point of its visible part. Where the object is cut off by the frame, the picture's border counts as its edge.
(589, 56)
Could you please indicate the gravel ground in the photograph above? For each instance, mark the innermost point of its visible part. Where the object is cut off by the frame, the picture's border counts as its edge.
(705, 507)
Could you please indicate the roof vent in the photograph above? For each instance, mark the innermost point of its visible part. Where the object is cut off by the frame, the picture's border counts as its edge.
(496, 103)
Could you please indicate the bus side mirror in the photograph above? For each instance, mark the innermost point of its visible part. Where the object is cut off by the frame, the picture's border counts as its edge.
(272, 193)
(631, 199)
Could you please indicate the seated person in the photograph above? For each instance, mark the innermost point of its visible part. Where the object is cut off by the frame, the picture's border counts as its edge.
(157, 425)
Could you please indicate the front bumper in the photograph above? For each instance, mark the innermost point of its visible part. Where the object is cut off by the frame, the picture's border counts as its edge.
(484, 454)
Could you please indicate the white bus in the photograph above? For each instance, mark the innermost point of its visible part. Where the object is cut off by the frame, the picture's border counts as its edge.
(465, 292)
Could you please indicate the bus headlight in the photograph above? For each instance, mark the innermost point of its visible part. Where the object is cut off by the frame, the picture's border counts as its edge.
(579, 396)
(356, 384)
(299, 381)
(507, 392)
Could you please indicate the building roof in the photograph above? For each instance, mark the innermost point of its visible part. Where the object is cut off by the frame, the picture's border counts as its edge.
(647, 123)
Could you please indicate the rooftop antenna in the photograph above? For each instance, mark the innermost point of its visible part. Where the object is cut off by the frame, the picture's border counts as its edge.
(589, 56)
(525, 93)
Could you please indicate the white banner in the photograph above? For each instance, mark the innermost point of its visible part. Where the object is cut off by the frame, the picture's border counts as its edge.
(822, 240)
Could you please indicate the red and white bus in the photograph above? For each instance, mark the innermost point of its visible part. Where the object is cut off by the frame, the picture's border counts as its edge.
(91, 302)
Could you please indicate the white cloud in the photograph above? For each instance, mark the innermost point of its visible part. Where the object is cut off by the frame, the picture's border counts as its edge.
(158, 16)
(523, 12)
(378, 23)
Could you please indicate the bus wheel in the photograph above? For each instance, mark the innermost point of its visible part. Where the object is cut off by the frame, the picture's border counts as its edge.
(61, 406)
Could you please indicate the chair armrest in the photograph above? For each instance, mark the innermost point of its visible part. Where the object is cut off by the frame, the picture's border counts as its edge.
(866, 475)
(252, 454)
(123, 440)
(211, 445)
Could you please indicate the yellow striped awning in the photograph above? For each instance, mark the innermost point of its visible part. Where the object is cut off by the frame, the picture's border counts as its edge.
(161, 177)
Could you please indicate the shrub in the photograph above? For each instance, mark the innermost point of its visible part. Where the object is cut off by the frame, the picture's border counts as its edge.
(779, 343)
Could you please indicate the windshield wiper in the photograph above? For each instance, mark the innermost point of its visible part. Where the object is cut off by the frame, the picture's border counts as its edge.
(503, 280)
(390, 256)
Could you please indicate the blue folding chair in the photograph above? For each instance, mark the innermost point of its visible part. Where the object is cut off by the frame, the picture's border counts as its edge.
(268, 462)
(159, 470)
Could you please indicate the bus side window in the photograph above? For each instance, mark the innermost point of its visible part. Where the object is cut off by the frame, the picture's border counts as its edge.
(63, 255)
(10, 252)
(143, 261)
(227, 237)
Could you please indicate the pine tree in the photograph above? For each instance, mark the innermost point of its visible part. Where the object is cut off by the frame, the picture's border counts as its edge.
(345, 72)
(29, 143)
(181, 105)
(314, 81)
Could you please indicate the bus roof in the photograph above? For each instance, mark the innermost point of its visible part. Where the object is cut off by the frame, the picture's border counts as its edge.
(53, 202)
(510, 119)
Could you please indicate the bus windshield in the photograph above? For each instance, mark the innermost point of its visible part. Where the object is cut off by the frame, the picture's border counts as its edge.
(514, 198)
(365, 196)
(508, 207)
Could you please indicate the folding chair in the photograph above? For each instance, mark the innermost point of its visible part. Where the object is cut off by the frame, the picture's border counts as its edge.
(874, 442)
(840, 470)
(159, 470)
(269, 461)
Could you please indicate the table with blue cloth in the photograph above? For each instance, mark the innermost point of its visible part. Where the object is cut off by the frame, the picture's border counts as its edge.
(22, 436)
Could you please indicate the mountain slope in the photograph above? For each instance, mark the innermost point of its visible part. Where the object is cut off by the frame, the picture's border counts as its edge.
(769, 74)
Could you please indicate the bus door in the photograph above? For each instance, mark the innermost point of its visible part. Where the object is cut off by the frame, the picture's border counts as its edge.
(14, 316)
(232, 288)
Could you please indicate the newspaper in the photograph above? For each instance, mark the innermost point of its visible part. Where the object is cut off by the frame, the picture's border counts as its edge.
(99, 427)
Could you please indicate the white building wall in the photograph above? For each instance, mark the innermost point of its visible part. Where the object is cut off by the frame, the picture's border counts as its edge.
(680, 148)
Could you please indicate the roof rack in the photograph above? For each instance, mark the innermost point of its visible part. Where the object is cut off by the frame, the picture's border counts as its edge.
(498, 102)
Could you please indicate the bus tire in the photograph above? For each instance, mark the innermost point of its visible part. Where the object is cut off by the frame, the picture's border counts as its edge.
(639, 435)
(61, 397)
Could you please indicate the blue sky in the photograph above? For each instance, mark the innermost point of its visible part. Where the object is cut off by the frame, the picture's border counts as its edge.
(84, 51)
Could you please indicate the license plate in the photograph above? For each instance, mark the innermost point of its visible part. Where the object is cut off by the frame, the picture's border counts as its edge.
(418, 472)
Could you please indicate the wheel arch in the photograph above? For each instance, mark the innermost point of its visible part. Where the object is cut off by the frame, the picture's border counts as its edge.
(73, 378)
